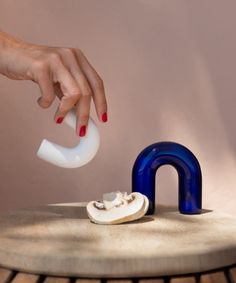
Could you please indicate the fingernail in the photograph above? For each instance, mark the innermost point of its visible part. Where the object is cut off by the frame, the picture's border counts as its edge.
(82, 131)
(104, 117)
(59, 120)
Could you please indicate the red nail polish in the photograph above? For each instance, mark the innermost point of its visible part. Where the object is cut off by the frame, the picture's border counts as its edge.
(59, 120)
(104, 117)
(82, 131)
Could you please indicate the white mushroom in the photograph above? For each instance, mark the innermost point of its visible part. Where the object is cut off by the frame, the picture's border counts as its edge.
(117, 207)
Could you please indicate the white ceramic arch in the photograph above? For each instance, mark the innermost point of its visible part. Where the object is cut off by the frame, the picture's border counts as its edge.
(76, 156)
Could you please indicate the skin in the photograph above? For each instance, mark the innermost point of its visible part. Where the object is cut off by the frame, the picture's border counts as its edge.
(59, 71)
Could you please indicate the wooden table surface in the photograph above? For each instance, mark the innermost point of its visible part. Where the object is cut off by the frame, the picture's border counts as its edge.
(58, 243)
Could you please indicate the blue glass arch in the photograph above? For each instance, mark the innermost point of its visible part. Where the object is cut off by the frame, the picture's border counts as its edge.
(186, 165)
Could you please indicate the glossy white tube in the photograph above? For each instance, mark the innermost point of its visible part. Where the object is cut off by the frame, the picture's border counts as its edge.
(76, 156)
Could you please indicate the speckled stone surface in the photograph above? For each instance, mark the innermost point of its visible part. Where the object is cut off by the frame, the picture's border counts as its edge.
(60, 240)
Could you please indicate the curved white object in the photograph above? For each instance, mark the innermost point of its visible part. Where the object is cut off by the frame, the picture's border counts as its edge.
(76, 156)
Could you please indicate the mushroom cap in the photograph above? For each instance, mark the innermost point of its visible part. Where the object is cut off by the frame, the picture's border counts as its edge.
(118, 208)
(142, 212)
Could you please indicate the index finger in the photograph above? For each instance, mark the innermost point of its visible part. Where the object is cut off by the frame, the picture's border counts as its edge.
(69, 89)
(68, 84)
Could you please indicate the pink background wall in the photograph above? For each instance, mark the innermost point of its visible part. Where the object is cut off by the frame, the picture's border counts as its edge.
(169, 69)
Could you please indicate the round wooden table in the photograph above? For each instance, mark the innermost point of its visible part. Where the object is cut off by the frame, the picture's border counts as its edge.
(58, 243)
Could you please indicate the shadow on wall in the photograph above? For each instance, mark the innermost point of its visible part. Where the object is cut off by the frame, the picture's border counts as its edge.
(194, 73)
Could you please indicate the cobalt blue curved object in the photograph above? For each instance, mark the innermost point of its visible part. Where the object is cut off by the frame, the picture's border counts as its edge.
(188, 169)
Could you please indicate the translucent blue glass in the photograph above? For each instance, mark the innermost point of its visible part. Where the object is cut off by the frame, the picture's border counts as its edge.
(188, 169)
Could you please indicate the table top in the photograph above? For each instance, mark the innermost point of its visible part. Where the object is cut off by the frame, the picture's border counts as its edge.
(60, 240)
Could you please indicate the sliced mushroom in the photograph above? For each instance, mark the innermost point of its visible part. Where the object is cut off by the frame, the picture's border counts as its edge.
(142, 212)
(117, 207)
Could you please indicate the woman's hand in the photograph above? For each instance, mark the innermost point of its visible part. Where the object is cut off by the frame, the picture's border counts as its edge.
(65, 72)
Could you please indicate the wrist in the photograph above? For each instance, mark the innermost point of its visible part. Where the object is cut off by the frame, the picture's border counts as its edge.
(6, 45)
(9, 53)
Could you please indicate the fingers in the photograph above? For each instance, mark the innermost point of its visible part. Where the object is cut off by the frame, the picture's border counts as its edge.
(69, 88)
(83, 105)
(96, 83)
(52, 72)
(58, 91)
(83, 109)
(67, 73)
(46, 86)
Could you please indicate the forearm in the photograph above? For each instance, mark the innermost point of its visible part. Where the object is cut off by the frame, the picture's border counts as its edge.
(10, 51)
(5, 43)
